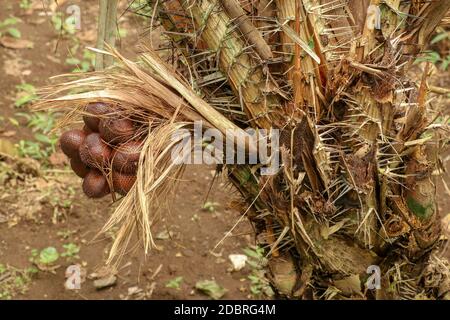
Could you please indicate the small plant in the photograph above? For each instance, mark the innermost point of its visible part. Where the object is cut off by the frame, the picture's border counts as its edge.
(14, 281)
(25, 4)
(39, 121)
(64, 203)
(63, 26)
(7, 26)
(174, 283)
(256, 257)
(71, 251)
(259, 285)
(211, 288)
(41, 124)
(60, 207)
(45, 259)
(32, 149)
(435, 57)
(14, 122)
(26, 94)
(87, 63)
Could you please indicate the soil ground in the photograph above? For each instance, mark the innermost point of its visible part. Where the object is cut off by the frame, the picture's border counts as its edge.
(194, 232)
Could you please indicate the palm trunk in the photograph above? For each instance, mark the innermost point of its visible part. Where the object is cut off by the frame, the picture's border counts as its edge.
(368, 196)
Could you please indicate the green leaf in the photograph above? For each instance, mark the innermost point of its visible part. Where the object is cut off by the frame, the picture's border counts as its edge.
(25, 4)
(72, 250)
(69, 25)
(42, 138)
(9, 21)
(445, 63)
(27, 93)
(311, 43)
(26, 87)
(72, 61)
(57, 21)
(48, 255)
(211, 288)
(431, 56)
(174, 283)
(85, 66)
(24, 100)
(14, 122)
(440, 37)
(257, 253)
(14, 32)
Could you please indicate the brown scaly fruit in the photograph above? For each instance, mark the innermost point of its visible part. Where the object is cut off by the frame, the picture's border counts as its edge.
(122, 183)
(125, 158)
(94, 152)
(116, 130)
(79, 167)
(95, 184)
(71, 141)
(95, 110)
(87, 130)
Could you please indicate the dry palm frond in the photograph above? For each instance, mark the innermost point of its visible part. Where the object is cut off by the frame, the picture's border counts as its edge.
(163, 112)
(156, 179)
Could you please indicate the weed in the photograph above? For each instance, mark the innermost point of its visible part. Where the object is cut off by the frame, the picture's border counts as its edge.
(435, 57)
(211, 288)
(25, 4)
(174, 283)
(63, 26)
(46, 257)
(259, 285)
(71, 251)
(26, 94)
(14, 281)
(41, 124)
(87, 63)
(14, 122)
(256, 260)
(7, 26)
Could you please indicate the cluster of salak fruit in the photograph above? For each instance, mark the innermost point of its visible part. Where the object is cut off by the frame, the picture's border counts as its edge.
(105, 152)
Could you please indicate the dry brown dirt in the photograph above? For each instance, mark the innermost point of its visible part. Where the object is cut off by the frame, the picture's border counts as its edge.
(194, 231)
